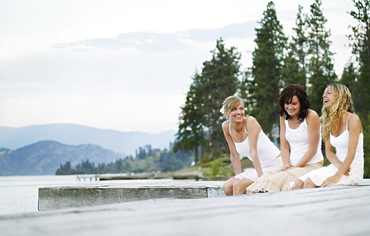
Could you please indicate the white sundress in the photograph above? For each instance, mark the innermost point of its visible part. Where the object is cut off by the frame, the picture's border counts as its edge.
(268, 155)
(340, 143)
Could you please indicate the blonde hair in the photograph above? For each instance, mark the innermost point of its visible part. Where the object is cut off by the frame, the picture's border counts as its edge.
(330, 118)
(230, 104)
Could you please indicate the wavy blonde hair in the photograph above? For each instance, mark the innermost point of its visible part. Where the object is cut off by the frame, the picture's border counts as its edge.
(330, 118)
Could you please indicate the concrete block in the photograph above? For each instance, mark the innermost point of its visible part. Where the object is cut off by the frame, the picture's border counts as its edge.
(50, 198)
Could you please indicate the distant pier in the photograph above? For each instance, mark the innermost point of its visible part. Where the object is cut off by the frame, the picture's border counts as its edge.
(133, 176)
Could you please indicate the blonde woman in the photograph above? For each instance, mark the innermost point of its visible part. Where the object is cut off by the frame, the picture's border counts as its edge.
(342, 132)
(245, 138)
(300, 141)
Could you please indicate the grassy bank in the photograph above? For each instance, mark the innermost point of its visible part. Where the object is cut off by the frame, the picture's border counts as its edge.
(218, 169)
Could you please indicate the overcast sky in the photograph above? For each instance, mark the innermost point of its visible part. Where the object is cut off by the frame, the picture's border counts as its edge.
(127, 65)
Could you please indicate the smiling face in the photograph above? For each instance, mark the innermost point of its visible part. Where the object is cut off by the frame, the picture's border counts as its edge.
(237, 114)
(293, 107)
(328, 97)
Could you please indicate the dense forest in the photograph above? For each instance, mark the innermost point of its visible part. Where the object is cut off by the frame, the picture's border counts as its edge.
(304, 58)
(146, 160)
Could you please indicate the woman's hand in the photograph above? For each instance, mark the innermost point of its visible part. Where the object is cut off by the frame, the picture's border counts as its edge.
(285, 167)
(347, 172)
(330, 180)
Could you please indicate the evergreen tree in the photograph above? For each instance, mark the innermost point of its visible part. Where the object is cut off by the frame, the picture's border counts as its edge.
(295, 71)
(190, 136)
(360, 42)
(86, 167)
(349, 78)
(320, 68)
(246, 92)
(65, 169)
(267, 68)
(200, 120)
(221, 80)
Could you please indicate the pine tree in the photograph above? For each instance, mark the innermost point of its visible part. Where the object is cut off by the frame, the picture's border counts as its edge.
(200, 120)
(267, 68)
(320, 69)
(221, 79)
(246, 92)
(349, 78)
(190, 136)
(295, 62)
(360, 42)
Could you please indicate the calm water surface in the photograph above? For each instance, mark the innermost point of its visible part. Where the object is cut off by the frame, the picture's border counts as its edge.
(19, 194)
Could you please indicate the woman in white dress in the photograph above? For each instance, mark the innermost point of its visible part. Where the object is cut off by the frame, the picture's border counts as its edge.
(342, 133)
(245, 138)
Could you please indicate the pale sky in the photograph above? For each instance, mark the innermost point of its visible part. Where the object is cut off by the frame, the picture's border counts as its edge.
(127, 65)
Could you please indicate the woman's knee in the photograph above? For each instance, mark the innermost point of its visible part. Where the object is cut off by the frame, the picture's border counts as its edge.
(238, 189)
(240, 186)
(298, 184)
(308, 183)
(228, 187)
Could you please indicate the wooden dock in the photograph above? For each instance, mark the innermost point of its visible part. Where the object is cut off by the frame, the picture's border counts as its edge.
(335, 210)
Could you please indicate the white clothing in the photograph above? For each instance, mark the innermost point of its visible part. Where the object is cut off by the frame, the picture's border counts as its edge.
(340, 143)
(251, 173)
(268, 155)
(298, 142)
(267, 151)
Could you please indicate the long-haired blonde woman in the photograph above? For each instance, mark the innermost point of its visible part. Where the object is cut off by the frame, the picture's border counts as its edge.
(342, 133)
(246, 139)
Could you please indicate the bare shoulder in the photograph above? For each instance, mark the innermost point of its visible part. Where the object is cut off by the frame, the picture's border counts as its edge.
(312, 117)
(250, 120)
(353, 118)
(312, 114)
(252, 124)
(225, 124)
(354, 123)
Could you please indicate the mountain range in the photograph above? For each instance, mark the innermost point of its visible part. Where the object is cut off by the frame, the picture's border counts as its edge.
(44, 157)
(70, 134)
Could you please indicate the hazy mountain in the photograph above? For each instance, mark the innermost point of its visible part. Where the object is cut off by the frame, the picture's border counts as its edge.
(123, 142)
(44, 157)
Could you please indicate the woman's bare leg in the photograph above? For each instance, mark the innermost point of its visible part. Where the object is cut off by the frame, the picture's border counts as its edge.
(240, 186)
(228, 186)
(298, 184)
(308, 183)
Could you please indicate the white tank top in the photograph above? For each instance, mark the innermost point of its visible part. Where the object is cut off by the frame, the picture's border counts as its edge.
(266, 150)
(298, 142)
(341, 145)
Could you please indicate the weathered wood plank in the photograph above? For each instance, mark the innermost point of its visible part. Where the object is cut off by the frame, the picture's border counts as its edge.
(337, 210)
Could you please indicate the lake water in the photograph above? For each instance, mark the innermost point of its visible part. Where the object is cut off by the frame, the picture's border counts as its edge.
(19, 194)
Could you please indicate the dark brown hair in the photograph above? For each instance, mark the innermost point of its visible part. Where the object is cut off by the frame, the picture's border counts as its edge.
(287, 95)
